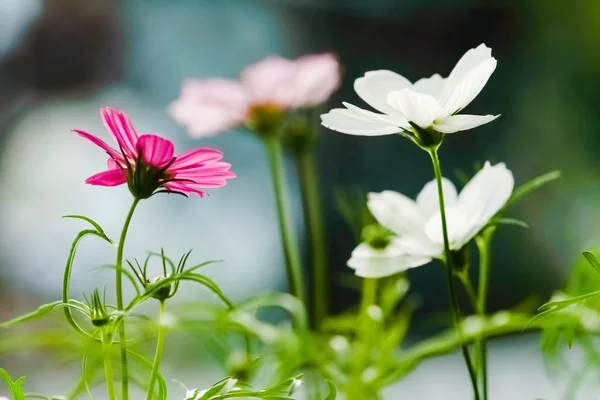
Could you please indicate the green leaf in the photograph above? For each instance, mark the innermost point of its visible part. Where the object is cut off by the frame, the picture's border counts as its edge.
(592, 260)
(91, 221)
(332, 391)
(38, 313)
(15, 387)
(508, 221)
(532, 185)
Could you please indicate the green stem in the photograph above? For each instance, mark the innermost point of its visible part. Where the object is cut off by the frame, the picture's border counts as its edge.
(119, 288)
(469, 289)
(309, 184)
(365, 336)
(160, 340)
(483, 245)
(286, 225)
(437, 169)
(108, 370)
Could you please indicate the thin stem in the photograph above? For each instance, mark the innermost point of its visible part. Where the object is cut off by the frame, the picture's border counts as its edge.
(119, 288)
(108, 369)
(365, 336)
(311, 198)
(286, 225)
(437, 169)
(469, 289)
(483, 245)
(160, 340)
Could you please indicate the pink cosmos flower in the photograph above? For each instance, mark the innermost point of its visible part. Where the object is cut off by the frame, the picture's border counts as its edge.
(207, 107)
(148, 163)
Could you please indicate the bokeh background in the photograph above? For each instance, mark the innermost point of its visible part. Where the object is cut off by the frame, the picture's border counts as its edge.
(61, 60)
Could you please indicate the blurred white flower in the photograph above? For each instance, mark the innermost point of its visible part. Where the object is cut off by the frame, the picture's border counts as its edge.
(416, 225)
(429, 103)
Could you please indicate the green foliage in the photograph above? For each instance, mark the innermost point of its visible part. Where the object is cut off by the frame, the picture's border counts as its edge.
(14, 387)
(531, 186)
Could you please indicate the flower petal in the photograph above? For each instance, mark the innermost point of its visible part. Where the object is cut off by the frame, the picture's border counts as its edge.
(121, 128)
(428, 199)
(397, 212)
(317, 77)
(462, 122)
(112, 177)
(270, 81)
(469, 86)
(155, 150)
(484, 196)
(421, 109)
(432, 86)
(372, 263)
(351, 123)
(393, 120)
(471, 59)
(375, 87)
(208, 107)
(195, 158)
(457, 225)
(100, 143)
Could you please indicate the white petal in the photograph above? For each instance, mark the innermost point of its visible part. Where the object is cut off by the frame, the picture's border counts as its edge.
(462, 122)
(397, 212)
(375, 86)
(398, 121)
(469, 86)
(347, 121)
(418, 108)
(456, 223)
(428, 200)
(484, 196)
(372, 263)
(419, 247)
(432, 86)
(468, 61)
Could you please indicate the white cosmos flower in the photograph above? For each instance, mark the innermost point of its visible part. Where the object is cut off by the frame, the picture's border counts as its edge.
(429, 102)
(416, 225)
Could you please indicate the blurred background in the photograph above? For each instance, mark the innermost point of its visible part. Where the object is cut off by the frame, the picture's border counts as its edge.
(61, 60)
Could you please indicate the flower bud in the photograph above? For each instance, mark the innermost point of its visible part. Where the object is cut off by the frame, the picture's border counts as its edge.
(164, 292)
(298, 133)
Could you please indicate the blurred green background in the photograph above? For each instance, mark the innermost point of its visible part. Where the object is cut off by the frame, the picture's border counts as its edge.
(60, 60)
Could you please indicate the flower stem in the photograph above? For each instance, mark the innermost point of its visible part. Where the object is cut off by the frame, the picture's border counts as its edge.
(119, 288)
(437, 169)
(286, 226)
(311, 198)
(160, 340)
(108, 370)
(483, 245)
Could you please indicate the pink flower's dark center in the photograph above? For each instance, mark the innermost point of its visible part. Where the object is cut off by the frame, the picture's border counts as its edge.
(144, 179)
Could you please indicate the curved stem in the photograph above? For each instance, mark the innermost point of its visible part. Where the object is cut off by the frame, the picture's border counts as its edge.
(469, 289)
(160, 340)
(119, 289)
(483, 245)
(437, 169)
(311, 198)
(108, 370)
(284, 212)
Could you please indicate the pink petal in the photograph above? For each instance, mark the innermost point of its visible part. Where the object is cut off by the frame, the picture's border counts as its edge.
(155, 150)
(195, 158)
(317, 77)
(100, 143)
(208, 107)
(112, 177)
(183, 188)
(270, 81)
(121, 128)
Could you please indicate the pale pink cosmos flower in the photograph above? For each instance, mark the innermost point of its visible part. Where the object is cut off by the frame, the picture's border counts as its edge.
(148, 164)
(210, 106)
